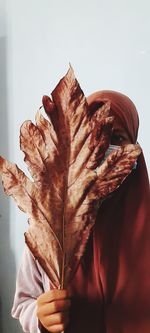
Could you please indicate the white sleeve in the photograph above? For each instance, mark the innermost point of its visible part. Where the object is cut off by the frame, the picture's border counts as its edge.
(28, 288)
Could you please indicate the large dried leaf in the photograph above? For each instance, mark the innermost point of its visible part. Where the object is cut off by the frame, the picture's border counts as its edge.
(64, 157)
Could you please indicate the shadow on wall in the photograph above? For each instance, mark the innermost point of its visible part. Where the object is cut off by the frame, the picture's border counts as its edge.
(7, 260)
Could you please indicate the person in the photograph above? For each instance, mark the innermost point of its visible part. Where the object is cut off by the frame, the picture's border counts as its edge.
(110, 292)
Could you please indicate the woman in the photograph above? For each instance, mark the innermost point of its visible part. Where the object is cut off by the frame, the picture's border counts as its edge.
(110, 292)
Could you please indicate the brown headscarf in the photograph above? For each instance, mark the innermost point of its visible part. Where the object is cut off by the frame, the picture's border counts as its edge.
(112, 284)
(122, 106)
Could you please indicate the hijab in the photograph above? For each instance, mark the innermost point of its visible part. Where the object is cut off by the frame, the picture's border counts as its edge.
(112, 285)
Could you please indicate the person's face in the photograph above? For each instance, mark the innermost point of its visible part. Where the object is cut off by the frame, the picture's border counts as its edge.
(119, 135)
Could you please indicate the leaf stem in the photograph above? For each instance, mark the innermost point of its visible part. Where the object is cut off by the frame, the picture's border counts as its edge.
(63, 256)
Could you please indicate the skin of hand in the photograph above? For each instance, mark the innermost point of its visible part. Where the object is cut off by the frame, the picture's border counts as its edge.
(53, 310)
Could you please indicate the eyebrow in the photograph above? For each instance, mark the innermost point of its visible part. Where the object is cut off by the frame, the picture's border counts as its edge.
(120, 132)
(117, 130)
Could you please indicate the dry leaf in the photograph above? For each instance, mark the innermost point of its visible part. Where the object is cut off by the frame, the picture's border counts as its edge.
(64, 158)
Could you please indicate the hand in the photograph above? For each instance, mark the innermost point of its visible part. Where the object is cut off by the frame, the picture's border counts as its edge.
(53, 310)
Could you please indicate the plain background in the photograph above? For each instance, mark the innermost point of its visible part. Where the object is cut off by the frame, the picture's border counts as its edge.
(108, 45)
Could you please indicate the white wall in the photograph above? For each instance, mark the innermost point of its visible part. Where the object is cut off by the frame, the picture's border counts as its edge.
(107, 43)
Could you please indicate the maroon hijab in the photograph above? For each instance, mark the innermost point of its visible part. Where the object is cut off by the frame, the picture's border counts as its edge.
(112, 285)
(122, 237)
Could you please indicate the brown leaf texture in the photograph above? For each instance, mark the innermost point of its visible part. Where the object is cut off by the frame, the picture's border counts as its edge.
(64, 155)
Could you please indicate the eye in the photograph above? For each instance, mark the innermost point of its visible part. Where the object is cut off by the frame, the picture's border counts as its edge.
(117, 139)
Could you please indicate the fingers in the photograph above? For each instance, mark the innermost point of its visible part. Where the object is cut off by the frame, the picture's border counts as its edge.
(53, 310)
(57, 319)
(53, 307)
(57, 328)
(53, 295)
